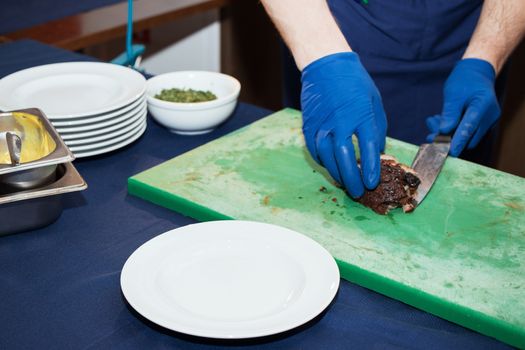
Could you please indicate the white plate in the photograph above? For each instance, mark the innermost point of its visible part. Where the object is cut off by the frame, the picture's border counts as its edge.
(122, 122)
(101, 144)
(103, 124)
(98, 117)
(230, 279)
(112, 147)
(72, 89)
(109, 135)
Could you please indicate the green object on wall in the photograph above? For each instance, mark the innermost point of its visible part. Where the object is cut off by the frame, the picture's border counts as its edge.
(460, 255)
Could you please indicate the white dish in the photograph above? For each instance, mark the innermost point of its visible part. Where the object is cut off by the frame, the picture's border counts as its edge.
(113, 147)
(198, 117)
(103, 124)
(105, 129)
(101, 144)
(109, 135)
(72, 89)
(99, 117)
(230, 279)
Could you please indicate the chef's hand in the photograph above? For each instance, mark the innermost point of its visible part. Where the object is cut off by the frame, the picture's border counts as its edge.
(470, 101)
(339, 99)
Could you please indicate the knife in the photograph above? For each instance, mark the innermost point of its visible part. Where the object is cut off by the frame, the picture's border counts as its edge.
(428, 163)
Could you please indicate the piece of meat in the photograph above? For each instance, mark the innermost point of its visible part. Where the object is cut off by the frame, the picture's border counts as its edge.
(397, 188)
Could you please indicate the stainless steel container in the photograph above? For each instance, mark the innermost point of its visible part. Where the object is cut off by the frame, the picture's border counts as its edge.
(31, 209)
(30, 178)
(37, 172)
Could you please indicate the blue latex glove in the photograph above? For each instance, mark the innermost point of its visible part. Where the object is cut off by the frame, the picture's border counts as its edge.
(339, 99)
(470, 101)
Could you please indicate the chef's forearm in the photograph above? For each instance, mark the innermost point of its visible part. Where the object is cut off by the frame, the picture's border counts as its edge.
(307, 27)
(500, 28)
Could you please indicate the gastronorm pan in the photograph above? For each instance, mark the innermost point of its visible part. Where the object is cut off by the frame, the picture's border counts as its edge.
(31, 209)
(37, 172)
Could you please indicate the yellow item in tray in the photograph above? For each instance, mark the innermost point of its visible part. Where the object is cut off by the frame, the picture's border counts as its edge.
(36, 140)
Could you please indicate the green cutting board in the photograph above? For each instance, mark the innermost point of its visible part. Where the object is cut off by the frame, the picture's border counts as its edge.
(460, 255)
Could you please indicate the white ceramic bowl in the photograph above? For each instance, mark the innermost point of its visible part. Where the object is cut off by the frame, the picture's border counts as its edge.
(198, 117)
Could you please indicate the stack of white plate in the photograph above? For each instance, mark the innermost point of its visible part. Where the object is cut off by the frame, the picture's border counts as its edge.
(96, 107)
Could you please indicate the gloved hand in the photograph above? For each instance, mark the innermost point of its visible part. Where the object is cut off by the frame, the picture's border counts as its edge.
(339, 99)
(470, 101)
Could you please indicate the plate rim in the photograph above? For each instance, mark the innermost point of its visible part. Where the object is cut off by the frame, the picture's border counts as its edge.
(134, 125)
(60, 123)
(99, 151)
(103, 123)
(120, 138)
(327, 300)
(69, 136)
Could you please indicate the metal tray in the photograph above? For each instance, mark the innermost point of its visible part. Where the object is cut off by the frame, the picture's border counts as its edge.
(32, 209)
(60, 155)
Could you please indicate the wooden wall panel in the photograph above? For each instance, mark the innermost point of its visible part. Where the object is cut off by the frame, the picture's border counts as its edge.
(511, 152)
(250, 52)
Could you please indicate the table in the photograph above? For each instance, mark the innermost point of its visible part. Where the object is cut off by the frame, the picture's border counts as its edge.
(79, 24)
(60, 285)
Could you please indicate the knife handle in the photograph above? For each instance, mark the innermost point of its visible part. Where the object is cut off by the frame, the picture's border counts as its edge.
(442, 139)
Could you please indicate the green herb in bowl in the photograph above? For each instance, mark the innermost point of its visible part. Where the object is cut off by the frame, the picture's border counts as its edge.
(185, 95)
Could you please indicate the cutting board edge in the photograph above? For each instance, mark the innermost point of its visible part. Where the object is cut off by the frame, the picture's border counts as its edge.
(466, 317)
(475, 320)
(180, 205)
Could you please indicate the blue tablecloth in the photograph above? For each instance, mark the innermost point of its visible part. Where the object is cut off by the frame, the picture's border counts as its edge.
(21, 14)
(59, 286)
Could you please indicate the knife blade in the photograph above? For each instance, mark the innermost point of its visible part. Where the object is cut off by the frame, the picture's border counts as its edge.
(428, 163)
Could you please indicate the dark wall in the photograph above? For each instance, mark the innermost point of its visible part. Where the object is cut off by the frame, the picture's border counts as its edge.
(511, 153)
(250, 52)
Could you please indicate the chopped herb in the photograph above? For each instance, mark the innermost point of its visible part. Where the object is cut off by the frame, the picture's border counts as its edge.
(185, 95)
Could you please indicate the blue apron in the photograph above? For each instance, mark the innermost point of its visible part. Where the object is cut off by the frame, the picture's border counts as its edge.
(409, 47)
